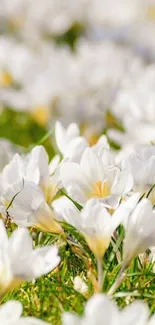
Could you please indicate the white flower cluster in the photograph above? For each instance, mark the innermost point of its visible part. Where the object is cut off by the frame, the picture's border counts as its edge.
(55, 17)
(86, 69)
(102, 192)
(51, 81)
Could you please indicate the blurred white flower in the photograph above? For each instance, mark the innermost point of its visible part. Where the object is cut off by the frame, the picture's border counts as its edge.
(19, 262)
(137, 97)
(80, 285)
(101, 310)
(7, 150)
(116, 13)
(11, 314)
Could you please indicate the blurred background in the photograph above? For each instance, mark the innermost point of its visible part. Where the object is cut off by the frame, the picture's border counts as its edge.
(86, 61)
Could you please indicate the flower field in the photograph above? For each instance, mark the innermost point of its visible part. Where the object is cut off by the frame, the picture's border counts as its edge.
(77, 162)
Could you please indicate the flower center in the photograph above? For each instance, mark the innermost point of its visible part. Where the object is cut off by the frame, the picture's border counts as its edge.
(100, 190)
(50, 192)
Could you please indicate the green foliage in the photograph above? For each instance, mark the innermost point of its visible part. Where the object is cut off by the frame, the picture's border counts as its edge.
(52, 294)
(22, 130)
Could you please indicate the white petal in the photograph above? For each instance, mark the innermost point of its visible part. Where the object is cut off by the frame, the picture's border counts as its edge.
(31, 321)
(38, 161)
(71, 319)
(3, 236)
(10, 312)
(42, 261)
(60, 136)
(91, 166)
(100, 308)
(75, 181)
(136, 313)
(122, 213)
(20, 244)
(54, 164)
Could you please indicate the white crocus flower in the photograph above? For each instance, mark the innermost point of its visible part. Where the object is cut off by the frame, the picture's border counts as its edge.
(69, 141)
(141, 165)
(19, 262)
(138, 219)
(11, 314)
(29, 208)
(94, 222)
(93, 179)
(34, 168)
(139, 229)
(101, 310)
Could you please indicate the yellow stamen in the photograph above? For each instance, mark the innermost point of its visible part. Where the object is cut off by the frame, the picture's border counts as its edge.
(50, 192)
(101, 190)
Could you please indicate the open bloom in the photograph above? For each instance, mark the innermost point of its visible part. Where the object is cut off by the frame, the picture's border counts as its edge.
(29, 208)
(100, 310)
(11, 314)
(93, 179)
(138, 219)
(94, 222)
(32, 168)
(19, 262)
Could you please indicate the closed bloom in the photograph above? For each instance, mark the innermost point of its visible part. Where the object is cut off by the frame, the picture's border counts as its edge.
(141, 165)
(11, 314)
(19, 262)
(139, 223)
(92, 178)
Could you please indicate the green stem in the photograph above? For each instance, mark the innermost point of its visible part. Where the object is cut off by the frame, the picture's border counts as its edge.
(118, 280)
(100, 274)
